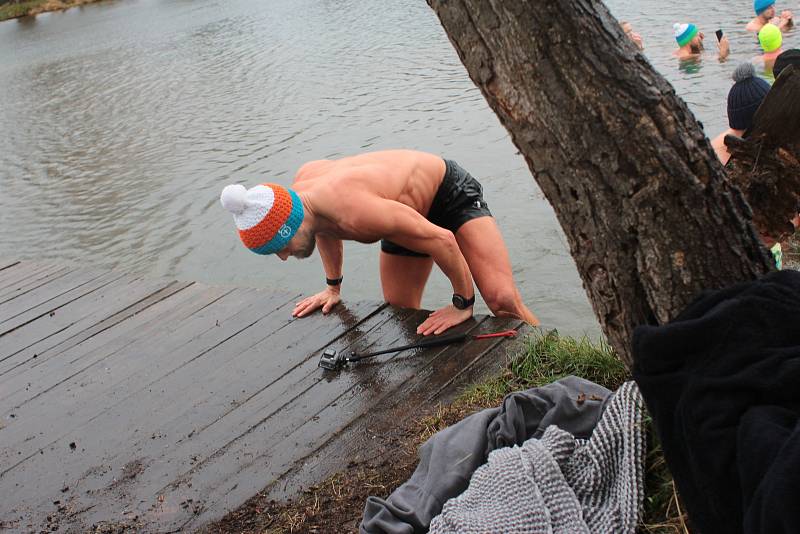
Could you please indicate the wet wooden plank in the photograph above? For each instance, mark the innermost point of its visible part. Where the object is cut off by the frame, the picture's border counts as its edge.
(55, 367)
(133, 369)
(7, 266)
(51, 296)
(162, 406)
(24, 279)
(79, 319)
(15, 269)
(32, 282)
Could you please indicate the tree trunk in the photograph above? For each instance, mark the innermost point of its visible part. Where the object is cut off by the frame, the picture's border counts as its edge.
(650, 218)
(766, 164)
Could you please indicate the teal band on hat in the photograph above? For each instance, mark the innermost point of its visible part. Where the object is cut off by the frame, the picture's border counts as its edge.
(286, 232)
(686, 36)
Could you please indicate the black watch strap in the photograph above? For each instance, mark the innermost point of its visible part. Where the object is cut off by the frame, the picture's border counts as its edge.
(334, 281)
(461, 302)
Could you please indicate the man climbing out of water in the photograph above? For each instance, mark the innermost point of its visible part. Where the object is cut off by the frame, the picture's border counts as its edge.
(690, 42)
(765, 14)
(422, 208)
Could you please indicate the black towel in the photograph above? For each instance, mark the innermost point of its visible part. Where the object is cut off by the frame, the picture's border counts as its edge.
(722, 383)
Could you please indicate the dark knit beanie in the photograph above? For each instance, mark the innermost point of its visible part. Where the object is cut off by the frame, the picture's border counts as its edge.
(789, 57)
(745, 96)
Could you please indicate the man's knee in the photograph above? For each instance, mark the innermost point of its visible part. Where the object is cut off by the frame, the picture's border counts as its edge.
(503, 302)
(403, 301)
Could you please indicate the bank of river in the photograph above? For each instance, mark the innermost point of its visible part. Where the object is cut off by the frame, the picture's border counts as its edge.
(34, 7)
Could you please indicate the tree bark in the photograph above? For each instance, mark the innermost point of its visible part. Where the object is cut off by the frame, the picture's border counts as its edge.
(650, 218)
(766, 164)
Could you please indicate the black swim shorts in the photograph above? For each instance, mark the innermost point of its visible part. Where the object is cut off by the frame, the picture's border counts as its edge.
(458, 200)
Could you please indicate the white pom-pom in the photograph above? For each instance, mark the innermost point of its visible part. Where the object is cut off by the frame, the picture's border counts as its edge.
(677, 27)
(234, 198)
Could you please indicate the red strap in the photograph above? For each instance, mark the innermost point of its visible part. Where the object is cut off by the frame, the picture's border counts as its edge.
(507, 333)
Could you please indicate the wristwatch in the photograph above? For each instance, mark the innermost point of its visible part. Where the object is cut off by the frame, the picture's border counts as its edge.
(461, 302)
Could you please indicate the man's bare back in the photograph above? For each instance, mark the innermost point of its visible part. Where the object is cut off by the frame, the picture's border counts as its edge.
(406, 176)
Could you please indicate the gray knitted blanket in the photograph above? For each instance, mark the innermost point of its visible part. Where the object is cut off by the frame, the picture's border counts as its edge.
(558, 484)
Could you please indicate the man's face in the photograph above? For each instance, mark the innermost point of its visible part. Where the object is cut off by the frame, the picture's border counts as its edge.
(768, 13)
(300, 246)
(697, 43)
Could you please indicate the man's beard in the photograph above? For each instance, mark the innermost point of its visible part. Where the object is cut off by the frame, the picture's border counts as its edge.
(306, 246)
(697, 48)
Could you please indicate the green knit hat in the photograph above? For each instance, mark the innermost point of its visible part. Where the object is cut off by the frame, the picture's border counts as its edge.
(684, 33)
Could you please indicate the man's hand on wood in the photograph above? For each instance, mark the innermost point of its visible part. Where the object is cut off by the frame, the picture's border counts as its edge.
(442, 319)
(326, 300)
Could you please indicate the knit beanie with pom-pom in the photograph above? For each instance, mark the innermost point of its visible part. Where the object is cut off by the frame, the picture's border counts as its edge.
(267, 215)
(745, 96)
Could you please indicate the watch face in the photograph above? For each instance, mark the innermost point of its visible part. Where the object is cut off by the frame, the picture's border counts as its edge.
(459, 302)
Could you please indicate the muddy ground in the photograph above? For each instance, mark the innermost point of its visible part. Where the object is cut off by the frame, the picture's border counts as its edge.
(336, 506)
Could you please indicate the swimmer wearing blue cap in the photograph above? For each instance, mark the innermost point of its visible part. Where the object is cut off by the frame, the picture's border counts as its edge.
(766, 14)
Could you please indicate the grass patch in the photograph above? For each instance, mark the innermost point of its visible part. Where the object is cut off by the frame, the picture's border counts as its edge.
(547, 358)
(10, 11)
(34, 7)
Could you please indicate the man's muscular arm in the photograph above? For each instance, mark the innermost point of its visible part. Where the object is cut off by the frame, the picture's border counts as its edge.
(331, 251)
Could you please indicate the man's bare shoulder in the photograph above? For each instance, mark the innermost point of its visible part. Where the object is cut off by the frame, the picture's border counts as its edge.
(753, 26)
(311, 169)
(684, 54)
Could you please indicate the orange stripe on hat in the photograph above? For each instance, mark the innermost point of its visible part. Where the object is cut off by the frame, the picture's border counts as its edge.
(260, 234)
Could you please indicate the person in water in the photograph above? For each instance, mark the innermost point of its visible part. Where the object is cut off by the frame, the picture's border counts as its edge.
(422, 208)
(771, 40)
(632, 35)
(744, 98)
(690, 42)
(765, 14)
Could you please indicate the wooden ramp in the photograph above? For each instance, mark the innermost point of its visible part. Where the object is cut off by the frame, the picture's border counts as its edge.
(161, 405)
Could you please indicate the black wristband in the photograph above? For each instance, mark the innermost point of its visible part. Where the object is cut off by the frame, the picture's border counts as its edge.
(334, 281)
(461, 302)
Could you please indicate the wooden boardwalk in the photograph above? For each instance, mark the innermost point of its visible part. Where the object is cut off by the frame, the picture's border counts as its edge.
(162, 405)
